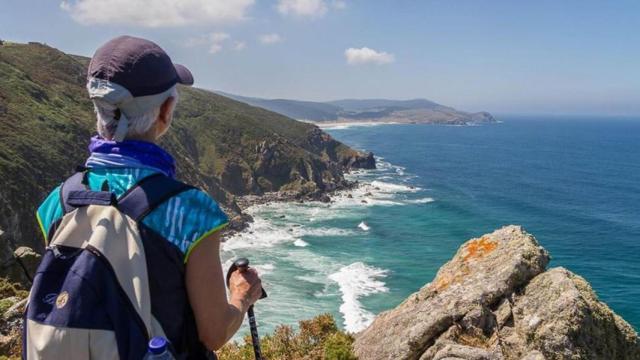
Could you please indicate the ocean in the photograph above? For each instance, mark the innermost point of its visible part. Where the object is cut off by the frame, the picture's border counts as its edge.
(574, 183)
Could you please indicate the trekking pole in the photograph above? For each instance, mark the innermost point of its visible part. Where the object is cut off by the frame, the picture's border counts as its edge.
(242, 265)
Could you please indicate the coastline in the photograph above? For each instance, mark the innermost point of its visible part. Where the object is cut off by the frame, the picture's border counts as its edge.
(344, 124)
(327, 125)
(287, 236)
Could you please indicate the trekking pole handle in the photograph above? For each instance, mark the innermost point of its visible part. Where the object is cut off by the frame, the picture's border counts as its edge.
(242, 265)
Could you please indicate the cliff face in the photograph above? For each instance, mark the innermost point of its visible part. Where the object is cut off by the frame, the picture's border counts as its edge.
(494, 300)
(223, 146)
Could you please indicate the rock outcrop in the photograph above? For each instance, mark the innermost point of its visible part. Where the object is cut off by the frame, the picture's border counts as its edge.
(20, 266)
(494, 300)
(360, 161)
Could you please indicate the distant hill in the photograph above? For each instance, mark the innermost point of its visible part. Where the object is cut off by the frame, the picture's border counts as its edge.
(364, 104)
(420, 111)
(293, 108)
(223, 146)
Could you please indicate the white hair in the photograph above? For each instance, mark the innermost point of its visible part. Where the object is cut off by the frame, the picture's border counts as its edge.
(138, 125)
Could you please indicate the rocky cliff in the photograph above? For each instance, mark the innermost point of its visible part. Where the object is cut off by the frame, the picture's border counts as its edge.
(496, 300)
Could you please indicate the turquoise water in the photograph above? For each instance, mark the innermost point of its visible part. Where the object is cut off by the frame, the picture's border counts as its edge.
(573, 183)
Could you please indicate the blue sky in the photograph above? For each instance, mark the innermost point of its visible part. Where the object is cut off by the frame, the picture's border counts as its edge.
(560, 57)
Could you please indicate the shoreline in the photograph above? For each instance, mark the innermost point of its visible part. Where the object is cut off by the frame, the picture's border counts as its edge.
(338, 124)
(241, 221)
(341, 124)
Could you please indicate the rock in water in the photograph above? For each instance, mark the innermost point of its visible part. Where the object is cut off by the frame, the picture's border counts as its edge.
(493, 300)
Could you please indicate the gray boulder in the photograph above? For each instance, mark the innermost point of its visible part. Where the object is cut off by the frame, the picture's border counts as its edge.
(559, 315)
(493, 300)
(19, 265)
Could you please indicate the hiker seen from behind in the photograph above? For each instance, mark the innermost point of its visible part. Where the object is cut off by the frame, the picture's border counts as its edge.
(132, 253)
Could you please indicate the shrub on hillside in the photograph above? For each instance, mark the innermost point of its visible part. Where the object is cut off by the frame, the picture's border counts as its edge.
(317, 338)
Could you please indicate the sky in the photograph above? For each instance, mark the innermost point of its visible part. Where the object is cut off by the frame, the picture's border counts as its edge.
(526, 57)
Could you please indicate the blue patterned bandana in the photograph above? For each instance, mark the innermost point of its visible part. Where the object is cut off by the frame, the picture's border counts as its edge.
(130, 153)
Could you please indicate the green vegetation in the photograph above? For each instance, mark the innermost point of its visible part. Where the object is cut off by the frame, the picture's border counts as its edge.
(318, 338)
(10, 294)
(9, 289)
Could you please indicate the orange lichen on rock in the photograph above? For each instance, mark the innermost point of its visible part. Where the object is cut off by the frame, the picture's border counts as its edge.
(447, 279)
(460, 268)
(479, 248)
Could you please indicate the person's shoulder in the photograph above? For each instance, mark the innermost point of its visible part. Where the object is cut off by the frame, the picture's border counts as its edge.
(199, 203)
(187, 218)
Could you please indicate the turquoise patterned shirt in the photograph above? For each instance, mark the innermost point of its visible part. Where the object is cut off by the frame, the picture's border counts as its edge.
(184, 220)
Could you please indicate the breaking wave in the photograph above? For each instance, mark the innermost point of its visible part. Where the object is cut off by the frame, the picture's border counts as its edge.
(355, 281)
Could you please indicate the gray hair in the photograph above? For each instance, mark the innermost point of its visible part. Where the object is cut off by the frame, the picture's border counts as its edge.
(137, 126)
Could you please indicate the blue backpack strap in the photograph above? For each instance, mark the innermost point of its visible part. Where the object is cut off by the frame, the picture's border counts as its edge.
(75, 193)
(150, 192)
(73, 184)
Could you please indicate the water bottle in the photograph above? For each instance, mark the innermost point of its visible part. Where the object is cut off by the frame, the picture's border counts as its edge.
(158, 349)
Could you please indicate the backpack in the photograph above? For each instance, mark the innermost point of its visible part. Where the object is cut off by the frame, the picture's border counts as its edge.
(107, 283)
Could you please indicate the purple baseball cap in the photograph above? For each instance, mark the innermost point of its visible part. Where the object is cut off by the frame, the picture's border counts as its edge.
(134, 74)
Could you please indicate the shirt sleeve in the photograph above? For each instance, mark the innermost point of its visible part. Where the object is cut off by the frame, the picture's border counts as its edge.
(186, 219)
(49, 212)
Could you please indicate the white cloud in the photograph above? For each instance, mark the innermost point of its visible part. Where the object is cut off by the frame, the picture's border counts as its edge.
(157, 13)
(239, 45)
(215, 41)
(219, 37)
(339, 4)
(269, 39)
(215, 48)
(365, 55)
(303, 8)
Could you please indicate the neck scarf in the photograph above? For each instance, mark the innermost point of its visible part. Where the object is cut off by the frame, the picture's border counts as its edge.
(130, 153)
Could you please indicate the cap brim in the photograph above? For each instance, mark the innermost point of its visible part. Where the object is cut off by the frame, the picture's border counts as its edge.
(184, 75)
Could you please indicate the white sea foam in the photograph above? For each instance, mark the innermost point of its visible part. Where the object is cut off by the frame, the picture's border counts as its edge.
(421, 201)
(265, 269)
(300, 243)
(261, 233)
(363, 226)
(393, 188)
(356, 281)
(265, 233)
(305, 231)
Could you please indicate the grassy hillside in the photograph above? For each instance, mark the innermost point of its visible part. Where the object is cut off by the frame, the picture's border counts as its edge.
(226, 147)
(293, 108)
